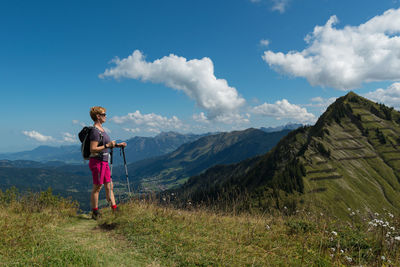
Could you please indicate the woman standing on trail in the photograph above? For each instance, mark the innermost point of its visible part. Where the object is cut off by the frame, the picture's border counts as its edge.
(100, 144)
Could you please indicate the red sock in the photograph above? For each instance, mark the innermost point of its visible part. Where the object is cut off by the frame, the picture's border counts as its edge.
(114, 206)
(95, 209)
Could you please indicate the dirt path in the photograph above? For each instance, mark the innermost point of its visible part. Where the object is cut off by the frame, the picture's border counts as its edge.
(110, 248)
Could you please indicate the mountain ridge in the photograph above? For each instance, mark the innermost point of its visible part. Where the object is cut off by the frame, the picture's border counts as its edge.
(349, 159)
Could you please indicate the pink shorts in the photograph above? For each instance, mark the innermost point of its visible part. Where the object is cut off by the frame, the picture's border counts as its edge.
(100, 171)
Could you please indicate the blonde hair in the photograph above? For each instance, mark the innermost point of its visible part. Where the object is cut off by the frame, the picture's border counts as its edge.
(94, 111)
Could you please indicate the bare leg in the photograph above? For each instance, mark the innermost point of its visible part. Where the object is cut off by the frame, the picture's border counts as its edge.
(110, 193)
(94, 197)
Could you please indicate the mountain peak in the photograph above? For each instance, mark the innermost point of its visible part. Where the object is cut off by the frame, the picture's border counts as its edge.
(349, 159)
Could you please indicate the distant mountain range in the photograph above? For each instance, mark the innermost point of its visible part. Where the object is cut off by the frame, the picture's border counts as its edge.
(289, 126)
(350, 159)
(154, 174)
(138, 148)
(174, 168)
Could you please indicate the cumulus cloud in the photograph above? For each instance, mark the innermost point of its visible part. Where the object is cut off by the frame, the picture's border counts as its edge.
(280, 5)
(264, 42)
(201, 117)
(70, 138)
(78, 123)
(321, 102)
(284, 110)
(38, 136)
(233, 118)
(389, 96)
(151, 122)
(194, 77)
(132, 130)
(346, 58)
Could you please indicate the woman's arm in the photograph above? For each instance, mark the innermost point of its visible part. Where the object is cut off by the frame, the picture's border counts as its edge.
(94, 148)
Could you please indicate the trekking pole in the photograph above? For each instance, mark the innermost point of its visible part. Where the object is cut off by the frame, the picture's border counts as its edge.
(111, 163)
(126, 170)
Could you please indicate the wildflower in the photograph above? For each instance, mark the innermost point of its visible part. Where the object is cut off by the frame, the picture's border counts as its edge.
(267, 227)
(397, 238)
(352, 213)
(348, 259)
(333, 249)
(285, 207)
(391, 215)
(376, 214)
(332, 255)
(348, 209)
(383, 258)
(334, 233)
(172, 194)
(341, 251)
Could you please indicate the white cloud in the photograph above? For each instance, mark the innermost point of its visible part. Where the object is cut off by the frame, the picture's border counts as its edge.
(152, 122)
(284, 110)
(321, 102)
(194, 77)
(38, 136)
(234, 118)
(346, 58)
(70, 138)
(201, 117)
(132, 130)
(280, 5)
(264, 42)
(78, 123)
(389, 96)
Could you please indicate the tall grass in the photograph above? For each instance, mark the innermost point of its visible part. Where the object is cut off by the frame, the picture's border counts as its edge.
(199, 237)
(28, 231)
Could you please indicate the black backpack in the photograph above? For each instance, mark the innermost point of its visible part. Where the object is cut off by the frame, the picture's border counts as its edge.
(85, 140)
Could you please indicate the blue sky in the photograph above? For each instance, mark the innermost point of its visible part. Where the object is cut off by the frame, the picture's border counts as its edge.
(188, 66)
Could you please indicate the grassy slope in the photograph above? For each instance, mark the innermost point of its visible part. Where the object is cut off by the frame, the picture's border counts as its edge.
(171, 237)
(349, 159)
(361, 172)
(43, 230)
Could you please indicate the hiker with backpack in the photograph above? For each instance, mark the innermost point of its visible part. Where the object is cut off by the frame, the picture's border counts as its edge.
(100, 145)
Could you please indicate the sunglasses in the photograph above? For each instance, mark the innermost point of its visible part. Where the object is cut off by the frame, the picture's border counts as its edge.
(103, 114)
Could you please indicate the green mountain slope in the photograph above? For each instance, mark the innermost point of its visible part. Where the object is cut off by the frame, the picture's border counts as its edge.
(349, 159)
(192, 158)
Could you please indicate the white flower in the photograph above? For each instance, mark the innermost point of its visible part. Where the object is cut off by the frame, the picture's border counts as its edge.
(334, 233)
(333, 249)
(397, 238)
(267, 227)
(391, 215)
(383, 258)
(348, 259)
(341, 251)
(376, 214)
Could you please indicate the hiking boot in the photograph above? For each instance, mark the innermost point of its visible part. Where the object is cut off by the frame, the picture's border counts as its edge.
(95, 215)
